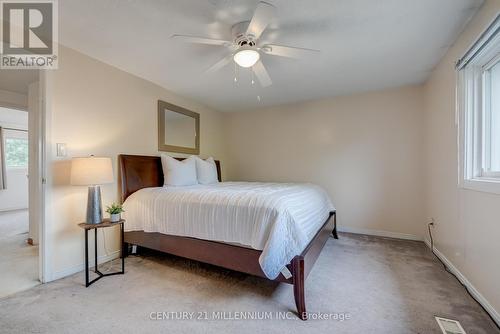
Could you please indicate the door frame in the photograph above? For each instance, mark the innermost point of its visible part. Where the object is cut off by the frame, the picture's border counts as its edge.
(40, 187)
(44, 89)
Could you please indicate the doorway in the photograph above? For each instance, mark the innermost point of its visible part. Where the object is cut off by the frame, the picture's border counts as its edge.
(19, 169)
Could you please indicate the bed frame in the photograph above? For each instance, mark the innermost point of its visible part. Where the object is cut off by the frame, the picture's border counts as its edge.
(137, 172)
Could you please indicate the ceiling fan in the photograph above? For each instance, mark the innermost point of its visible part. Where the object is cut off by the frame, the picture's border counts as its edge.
(245, 49)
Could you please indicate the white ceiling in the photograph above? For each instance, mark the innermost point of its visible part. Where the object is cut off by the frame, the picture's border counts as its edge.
(365, 44)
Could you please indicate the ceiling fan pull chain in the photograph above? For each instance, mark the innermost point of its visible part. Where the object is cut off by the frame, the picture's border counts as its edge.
(253, 82)
(235, 73)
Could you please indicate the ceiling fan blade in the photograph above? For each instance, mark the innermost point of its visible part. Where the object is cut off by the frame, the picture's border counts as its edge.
(287, 51)
(261, 73)
(261, 18)
(220, 64)
(201, 40)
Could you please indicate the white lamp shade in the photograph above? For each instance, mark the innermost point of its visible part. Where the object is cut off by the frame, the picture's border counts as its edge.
(91, 171)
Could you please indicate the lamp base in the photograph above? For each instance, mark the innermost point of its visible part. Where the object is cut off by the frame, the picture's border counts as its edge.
(94, 205)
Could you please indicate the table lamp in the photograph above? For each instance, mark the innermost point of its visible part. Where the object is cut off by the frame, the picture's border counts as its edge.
(92, 171)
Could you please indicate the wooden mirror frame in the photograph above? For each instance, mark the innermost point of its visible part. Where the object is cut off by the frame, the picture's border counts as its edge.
(162, 105)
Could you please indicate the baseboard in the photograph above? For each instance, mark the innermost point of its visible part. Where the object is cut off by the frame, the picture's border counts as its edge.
(76, 269)
(379, 233)
(478, 296)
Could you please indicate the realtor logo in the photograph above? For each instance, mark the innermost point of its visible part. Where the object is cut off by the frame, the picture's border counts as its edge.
(29, 34)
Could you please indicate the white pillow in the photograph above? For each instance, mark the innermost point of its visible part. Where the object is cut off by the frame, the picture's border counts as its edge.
(206, 171)
(178, 173)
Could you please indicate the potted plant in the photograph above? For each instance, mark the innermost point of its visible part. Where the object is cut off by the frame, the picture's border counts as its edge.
(114, 211)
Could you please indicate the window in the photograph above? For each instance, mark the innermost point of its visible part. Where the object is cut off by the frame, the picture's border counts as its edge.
(478, 97)
(492, 121)
(16, 152)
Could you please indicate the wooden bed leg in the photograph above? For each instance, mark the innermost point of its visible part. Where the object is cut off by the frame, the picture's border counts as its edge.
(334, 232)
(298, 286)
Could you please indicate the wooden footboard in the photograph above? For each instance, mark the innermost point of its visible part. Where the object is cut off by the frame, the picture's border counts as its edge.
(239, 258)
(302, 265)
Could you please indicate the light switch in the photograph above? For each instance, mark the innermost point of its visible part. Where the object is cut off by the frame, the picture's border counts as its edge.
(61, 149)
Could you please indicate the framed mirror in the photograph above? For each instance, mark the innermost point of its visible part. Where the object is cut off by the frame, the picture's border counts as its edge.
(178, 129)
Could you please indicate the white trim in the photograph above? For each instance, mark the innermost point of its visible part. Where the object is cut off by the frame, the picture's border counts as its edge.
(379, 233)
(483, 185)
(80, 267)
(492, 175)
(44, 252)
(14, 208)
(15, 126)
(477, 295)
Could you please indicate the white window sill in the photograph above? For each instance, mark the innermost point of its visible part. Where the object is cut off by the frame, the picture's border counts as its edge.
(487, 185)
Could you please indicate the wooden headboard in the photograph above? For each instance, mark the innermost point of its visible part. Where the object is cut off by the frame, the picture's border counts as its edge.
(142, 171)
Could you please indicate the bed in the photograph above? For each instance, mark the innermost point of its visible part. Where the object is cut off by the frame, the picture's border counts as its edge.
(225, 224)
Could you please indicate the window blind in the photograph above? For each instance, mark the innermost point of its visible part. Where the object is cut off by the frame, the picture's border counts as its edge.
(476, 48)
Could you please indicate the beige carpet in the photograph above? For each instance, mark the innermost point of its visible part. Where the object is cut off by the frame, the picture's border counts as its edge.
(382, 285)
(18, 260)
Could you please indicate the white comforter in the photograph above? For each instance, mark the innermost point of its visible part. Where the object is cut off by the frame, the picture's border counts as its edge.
(278, 218)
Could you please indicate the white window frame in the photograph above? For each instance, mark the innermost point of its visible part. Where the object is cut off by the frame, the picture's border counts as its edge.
(486, 123)
(473, 112)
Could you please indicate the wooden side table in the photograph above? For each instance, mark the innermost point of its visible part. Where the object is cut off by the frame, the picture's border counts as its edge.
(105, 223)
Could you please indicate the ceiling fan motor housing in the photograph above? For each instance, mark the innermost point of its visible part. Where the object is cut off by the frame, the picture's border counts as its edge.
(239, 35)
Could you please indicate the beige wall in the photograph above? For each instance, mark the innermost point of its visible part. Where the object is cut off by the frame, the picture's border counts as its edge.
(366, 150)
(467, 222)
(13, 100)
(98, 109)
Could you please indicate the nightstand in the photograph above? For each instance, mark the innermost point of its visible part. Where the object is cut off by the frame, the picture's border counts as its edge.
(105, 223)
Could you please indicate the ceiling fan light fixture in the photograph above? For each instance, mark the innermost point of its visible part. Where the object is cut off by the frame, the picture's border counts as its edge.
(246, 57)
